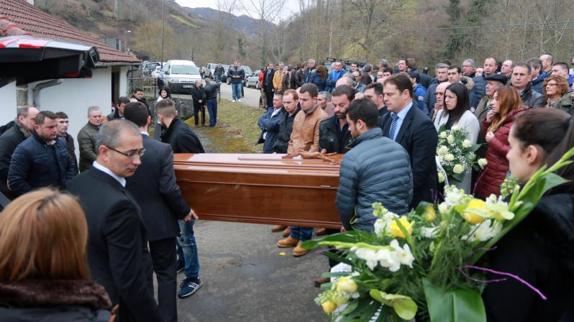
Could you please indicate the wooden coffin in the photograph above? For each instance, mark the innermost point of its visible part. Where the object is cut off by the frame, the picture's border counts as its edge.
(260, 188)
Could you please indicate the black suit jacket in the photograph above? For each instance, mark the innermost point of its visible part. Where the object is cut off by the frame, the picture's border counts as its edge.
(154, 188)
(181, 138)
(419, 137)
(117, 251)
(268, 81)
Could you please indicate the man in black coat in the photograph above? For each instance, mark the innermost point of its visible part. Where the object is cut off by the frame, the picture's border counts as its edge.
(117, 249)
(268, 84)
(291, 107)
(411, 128)
(334, 135)
(199, 100)
(63, 124)
(174, 131)
(154, 188)
(41, 160)
(10, 139)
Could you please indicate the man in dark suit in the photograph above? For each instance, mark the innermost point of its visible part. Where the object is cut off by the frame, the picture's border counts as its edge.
(268, 84)
(117, 249)
(182, 140)
(412, 129)
(154, 188)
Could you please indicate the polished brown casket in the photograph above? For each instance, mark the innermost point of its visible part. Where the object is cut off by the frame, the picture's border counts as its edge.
(260, 188)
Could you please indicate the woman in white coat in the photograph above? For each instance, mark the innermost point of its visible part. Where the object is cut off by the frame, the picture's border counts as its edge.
(456, 112)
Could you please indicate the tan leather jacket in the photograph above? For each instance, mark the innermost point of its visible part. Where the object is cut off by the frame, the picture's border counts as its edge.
(305, 134)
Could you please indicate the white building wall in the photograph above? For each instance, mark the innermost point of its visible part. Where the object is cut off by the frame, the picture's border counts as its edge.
(74, 96)
(124, 81)
(9, 103)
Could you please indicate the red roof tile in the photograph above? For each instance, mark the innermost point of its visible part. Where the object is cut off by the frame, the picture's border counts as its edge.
(43, 25)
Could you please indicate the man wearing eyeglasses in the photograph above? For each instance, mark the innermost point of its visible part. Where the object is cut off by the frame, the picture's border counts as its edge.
(117, 249)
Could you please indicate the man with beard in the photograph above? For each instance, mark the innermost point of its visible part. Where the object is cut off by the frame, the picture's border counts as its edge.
(334, 136)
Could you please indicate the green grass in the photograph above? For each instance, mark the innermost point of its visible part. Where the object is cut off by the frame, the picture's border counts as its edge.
(236, 130)
(184, 21)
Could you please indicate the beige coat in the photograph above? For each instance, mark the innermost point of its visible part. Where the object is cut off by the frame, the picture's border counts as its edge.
(305, 134)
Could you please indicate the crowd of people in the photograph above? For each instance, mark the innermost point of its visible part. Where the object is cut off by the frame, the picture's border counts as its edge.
(123, 215)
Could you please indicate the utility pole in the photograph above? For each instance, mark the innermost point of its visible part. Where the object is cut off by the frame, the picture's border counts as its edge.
(162, 30)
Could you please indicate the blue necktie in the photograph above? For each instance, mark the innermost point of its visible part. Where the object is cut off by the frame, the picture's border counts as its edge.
(392, 130)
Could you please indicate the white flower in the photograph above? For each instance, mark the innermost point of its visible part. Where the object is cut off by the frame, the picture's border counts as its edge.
(368, 255)
(458, 169)
(402, 255)
(483, 231)
(382, 225)
(466, 144)
(453, 195)
(443, 208)
(387, 260)
(443, 135)
(454, 128)
(498, 209)
(442, 150)
(482, 163)
(449, 157)
(429, 232)
(450, 139)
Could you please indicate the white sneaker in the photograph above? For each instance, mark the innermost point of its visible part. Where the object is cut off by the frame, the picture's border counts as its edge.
(239, 100)
(233, 101)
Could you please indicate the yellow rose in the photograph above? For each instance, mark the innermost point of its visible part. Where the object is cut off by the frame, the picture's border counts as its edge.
(339, 299)
(475, 211)
(329, 306)
(396, 230)
(346, 285)
(430, 213)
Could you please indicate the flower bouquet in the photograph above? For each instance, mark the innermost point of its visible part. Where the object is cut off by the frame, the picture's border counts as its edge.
(455, 155)
(422, 265)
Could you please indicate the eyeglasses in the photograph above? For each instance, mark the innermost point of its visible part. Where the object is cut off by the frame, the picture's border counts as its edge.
(130, 154)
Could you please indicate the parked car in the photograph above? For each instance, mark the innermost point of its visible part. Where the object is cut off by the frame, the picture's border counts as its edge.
(149, 67)
(180, 75)
(252, 80)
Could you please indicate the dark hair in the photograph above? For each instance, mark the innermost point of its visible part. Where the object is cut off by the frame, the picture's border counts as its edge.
(366, 79)
(562, 64)
(550, 129)
(523, 65)
(462, 103)
(344, 90)
(364, 109)
(533, 63)
(378, 87)
(321, 70)
(414, 74)
(309, 88)
(166, 89)
(123, 100)
(387, 69)
(458, 70)
(137, 113)
(137, 89)
(411, 62)
(402, 82)
(43, 115)
(61, 115)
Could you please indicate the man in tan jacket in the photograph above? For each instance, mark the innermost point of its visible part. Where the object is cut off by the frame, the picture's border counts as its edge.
(304, 138)
(278, 79)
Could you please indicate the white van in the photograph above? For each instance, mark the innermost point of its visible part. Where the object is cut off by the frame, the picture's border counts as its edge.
(180, 75)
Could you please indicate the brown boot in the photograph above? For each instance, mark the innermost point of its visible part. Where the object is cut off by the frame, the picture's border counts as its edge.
(287, 242)
(299, 250)
(287, 232)
(278, 228)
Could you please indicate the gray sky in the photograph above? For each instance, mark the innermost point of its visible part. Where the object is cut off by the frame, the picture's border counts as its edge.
(290, 7)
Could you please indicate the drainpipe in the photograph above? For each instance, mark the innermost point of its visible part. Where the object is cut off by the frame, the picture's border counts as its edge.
(40, 86)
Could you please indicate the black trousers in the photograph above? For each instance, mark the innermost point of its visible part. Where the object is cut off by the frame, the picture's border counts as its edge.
(198, 108)
(269, 98)
(163, 256)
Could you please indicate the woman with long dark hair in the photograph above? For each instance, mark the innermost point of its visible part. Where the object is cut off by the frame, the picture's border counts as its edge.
(540, 249)
(506, 104)
(456, 112)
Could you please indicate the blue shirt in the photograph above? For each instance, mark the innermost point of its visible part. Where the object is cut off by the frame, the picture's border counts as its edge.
(402, 114)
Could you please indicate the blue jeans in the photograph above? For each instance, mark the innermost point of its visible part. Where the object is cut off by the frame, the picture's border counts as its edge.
(212, 110)
(236, 90)
(189, 248)
(301, 233)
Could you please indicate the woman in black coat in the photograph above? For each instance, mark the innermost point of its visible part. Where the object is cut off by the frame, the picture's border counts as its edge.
(539, 250)
(43, 270)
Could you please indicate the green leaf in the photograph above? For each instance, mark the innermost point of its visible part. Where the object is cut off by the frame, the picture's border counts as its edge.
(459, 305)
(346, 237)
(364, 311)
(404, 306)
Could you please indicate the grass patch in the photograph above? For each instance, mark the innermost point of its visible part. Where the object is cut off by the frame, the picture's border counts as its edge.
(236, 130)
(184, 21)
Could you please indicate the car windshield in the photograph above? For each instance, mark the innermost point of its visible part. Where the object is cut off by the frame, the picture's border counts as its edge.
(184, 69)
(247, 70)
